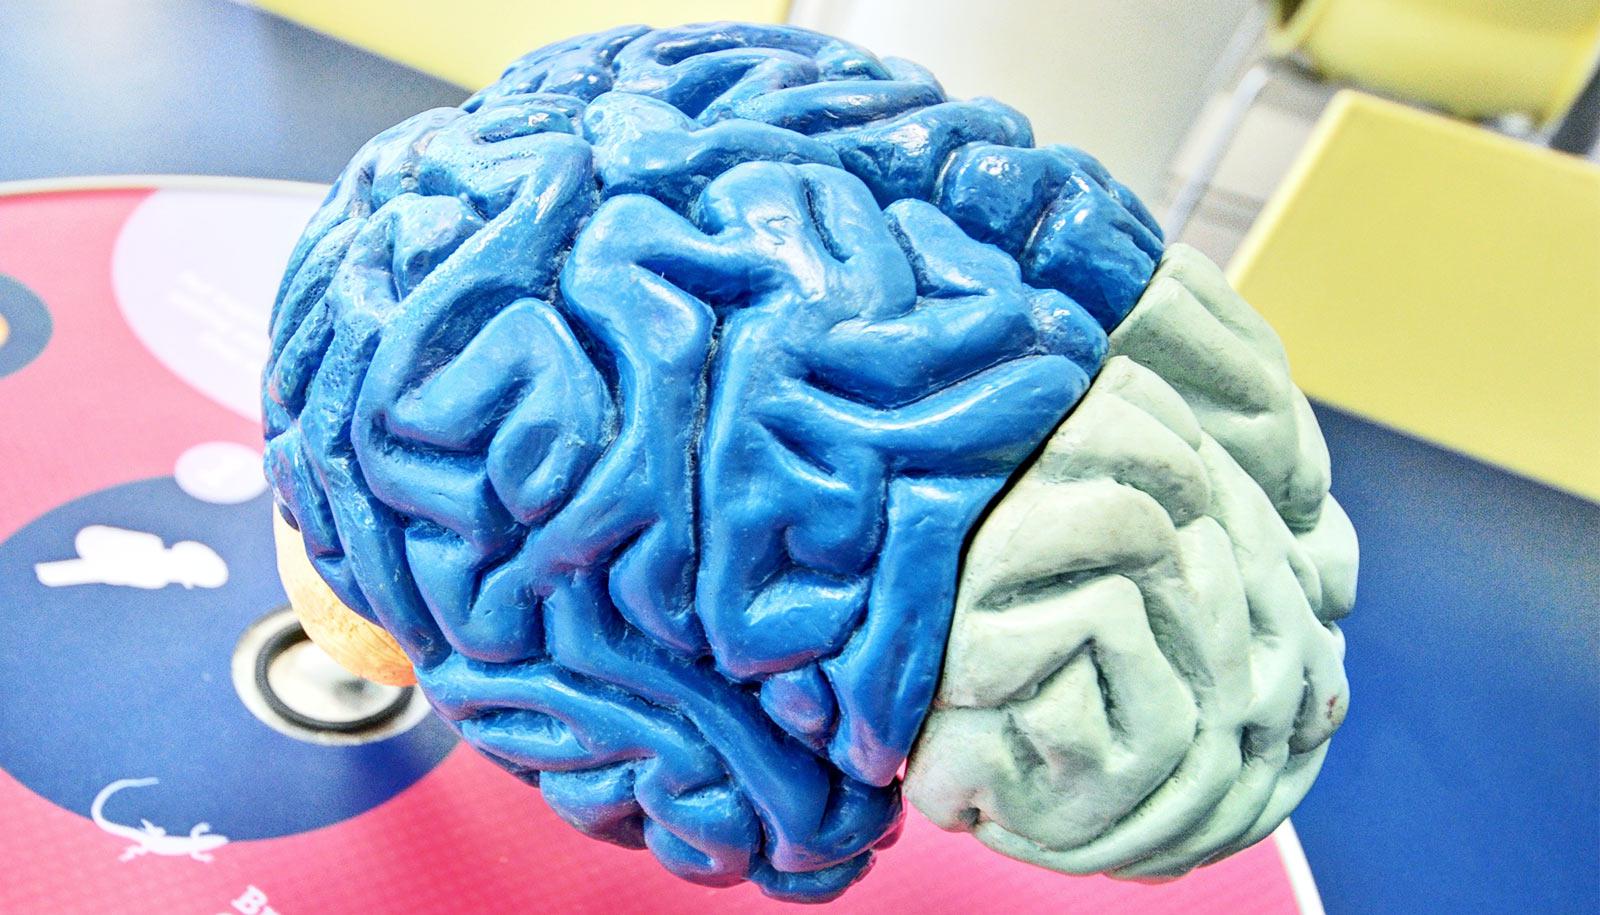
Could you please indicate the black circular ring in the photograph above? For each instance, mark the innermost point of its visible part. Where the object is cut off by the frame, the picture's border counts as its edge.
(287, 638)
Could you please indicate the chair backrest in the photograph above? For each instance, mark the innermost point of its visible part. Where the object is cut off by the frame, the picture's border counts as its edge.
(1443, 279)
(1476, 58)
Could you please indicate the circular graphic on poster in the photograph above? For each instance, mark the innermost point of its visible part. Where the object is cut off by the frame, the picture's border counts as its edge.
(155, 587)
(24, 325)
(195, 283)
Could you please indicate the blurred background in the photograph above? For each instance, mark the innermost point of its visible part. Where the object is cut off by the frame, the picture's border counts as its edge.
(1409, 190)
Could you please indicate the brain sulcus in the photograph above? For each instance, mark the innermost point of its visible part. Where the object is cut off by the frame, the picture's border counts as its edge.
(651, 400)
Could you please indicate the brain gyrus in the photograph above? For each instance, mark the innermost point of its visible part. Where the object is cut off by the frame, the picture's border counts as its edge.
(650, 398)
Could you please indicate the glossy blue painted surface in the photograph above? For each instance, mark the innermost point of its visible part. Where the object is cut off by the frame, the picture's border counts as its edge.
(649, 398)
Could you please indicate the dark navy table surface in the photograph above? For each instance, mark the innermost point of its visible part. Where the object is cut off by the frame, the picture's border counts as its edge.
(189, 87)
(1465, 779)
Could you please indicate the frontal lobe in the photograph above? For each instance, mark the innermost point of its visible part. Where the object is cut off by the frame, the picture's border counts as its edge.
(648, 398)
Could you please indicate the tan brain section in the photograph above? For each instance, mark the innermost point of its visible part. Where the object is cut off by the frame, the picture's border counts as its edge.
(1145, 665)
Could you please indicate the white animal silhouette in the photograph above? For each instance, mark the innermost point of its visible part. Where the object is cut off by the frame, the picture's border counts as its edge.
(134, 559)
(150, 839)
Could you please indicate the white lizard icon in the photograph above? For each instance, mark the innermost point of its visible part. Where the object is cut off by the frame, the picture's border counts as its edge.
(151, 839)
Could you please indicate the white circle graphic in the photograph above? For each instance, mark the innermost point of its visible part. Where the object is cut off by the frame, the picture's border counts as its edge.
(195, 273)
(225, 473)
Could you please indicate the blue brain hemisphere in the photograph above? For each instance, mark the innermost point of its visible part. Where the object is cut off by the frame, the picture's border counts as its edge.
(649, 399)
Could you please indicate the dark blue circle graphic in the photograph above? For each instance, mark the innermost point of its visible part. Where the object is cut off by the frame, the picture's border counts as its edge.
(105, 682)
(27, 325)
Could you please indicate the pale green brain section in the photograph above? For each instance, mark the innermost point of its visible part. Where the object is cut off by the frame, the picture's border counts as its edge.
(1145, 667)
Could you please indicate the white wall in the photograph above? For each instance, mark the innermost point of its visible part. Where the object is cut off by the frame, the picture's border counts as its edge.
(1122, 79)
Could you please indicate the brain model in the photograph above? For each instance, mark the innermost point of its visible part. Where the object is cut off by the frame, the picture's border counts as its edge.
(724, 423)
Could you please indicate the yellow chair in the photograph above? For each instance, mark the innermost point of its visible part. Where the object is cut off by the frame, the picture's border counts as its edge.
(1443, 279)
(1475, 58)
